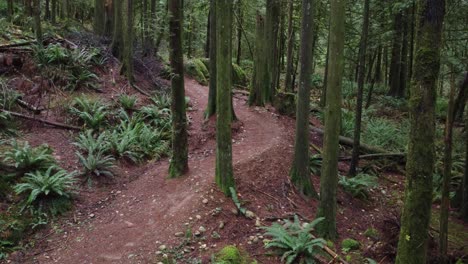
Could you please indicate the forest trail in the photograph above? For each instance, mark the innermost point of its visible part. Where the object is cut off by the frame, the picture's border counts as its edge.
(139, 219)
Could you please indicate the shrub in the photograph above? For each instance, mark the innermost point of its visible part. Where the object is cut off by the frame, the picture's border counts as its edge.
(441, 107)
(50, 189)
(315, 164)
(295, 242)
(92, 113)
(359, 185)
(385, 134)
(347, 123)
(26, 158)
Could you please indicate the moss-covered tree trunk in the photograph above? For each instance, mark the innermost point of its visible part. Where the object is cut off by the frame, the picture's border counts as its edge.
(257, 89)
(361, 75)
(99, 17)
(412, 245)
(404, 57)
(128, 41)
(37, 20)
(211, 107)
(239, 32)
(271, 46)
(464, 206)
(329, 175)
(224, 173)
(290, 48)
(300, 173)
(64, 9)
(53, 13)
(117, 36)
(445, 200)
(395, 65)
(10, 10)
(179, 160)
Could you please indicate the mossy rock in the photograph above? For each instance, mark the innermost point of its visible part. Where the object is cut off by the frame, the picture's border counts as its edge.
(197, 70)
(206, 62)
(232, 255)
(239, 78)
(285, 103)
(350, 244)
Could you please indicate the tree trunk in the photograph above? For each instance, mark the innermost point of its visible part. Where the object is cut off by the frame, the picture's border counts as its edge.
(329, 175)
(377, 76)
(224, 172)
(445, 200)
(47, 9)
(300, 173)
(412, 245)
(323, 97)
(290, 49)
(117, 39)
(462, 97)
(271, 32)
(53, 13)
(239, 32)
(160, 34)
(208, 32)
(10, 10)
(395, 65)
(464, 206)
(99, 17)
(37, 21)
(179, 160)
(64, 10)
(361, 77)
(128, 41)
(211, 108)
(404, 57)
(259, 80)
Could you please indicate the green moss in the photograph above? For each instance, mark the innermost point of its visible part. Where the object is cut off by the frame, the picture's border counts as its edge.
(239, 78)
(232, 255)
(372, 233)
(350, 244)
(197, 70)
(165, 72)
(457, 232)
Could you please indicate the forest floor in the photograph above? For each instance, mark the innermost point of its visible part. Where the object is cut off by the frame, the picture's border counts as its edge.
(142, 216)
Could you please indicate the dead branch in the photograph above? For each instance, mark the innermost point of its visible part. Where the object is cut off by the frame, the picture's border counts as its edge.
(29, 107)
(140, 90)
(21, 44)
(47, 122)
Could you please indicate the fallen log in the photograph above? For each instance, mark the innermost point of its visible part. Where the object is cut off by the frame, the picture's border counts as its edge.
(13, 45)
(47, 122)
(28, 106)
(349, 142)
(377, 155)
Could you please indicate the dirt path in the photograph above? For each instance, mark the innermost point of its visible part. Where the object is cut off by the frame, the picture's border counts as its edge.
(132, 226)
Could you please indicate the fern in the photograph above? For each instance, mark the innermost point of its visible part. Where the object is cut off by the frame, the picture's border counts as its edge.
(50, 189)
(88, 143)
(93, 113)
(128, 102)
(24, 157)
(294, 242)
(359, 185)
(96, 164)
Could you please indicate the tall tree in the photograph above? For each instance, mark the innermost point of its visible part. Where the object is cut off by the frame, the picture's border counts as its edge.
(240, 19)
(117, 36)
(329, 176)
(300, 173)
(259, 78)
(224, 172)
(361, 76)
(412, 245)
(271, 45)
(10, 10)
(211, 107)
(37, 20)
(464, 205)
(290, 48)
(99, 17)
(179, 160)
(128, 40)
(395, 65)
(53, 13)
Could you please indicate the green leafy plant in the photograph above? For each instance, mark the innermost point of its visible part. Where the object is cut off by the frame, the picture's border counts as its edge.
(359, 185)
(315, 164)
(385, 134)
(50, 189)
(128, 102)
(295, 242)
(89, 143)
(124, 141)
(26, 158)
(349, 244)
(93, 113)
(96, 164)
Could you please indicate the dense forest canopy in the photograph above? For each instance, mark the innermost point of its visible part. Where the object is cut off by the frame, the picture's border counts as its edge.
(222, 131)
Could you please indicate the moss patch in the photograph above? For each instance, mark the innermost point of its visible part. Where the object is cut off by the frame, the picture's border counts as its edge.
(197, 70)
(285, 103)
(350, 244)
(457, 232)
(239, 78)
(232, 255)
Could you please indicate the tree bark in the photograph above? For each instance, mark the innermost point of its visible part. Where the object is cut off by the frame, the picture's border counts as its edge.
(10, 10)
(361, 77)
(179, 161)
(117, 39)
(329, 175)
(211, 107)
(53, 13)
(300, 173)
(271, 32)
(259, 79)
(412, 245)
(395, 65)
(239, 32)
(290, 49)
(128, 41)
(224, 173)
(99, 17)
(37, 21)
(464, 206)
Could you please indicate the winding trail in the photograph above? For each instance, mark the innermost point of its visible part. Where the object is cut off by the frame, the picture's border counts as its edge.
(152, 208)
